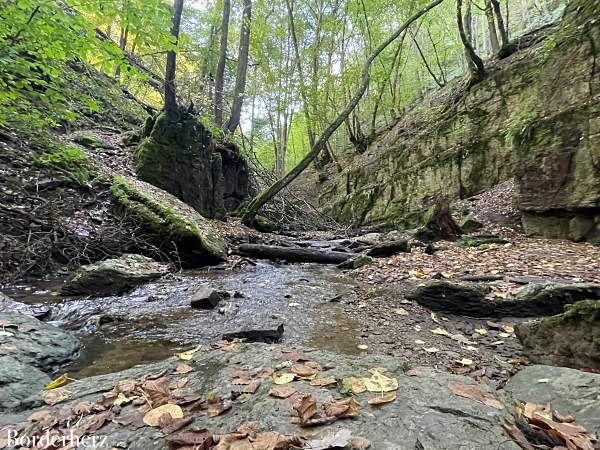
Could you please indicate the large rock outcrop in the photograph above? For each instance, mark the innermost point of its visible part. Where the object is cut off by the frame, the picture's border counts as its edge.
(169, 220)
(535, 117)
(177, 153)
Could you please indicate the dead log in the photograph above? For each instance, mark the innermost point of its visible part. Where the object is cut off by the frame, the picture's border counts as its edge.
(293, 254)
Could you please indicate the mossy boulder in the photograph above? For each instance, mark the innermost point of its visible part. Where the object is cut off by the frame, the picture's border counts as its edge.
(197, 240)
(571, 339)
(71, 161)
(178, 154)
(88, 139)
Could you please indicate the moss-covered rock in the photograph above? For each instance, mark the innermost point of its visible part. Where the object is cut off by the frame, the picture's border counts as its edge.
(177, 153)
(71, 161)
(534, 116)
(197, 240)
(88, 139)
(570, 339)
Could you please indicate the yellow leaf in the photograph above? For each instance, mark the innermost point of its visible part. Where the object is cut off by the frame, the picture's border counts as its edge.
(379, 382)
(416, 273)
(58, 382)
(440, 331)
(419, 341)
(122, 399)
(508, 328)
(283, 377)
(434, 318)
(152, 417)
(504, 335)
(186, 356)
(362, 347)
(6, 333)
(380, 400)
(431, 349)
(466, 362)
(481, 331)
(417, 327)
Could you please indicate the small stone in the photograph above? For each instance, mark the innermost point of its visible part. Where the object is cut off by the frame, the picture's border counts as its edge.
(206, 298)
(362, 347)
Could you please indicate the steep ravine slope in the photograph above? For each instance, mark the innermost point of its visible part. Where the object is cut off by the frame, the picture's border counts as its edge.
(536, 117)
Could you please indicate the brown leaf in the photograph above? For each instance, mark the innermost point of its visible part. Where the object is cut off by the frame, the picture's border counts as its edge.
(304, 370)
(323, 381)
(196, 439)
(282, 391)
(91, 424)
(168, 425)
(517, 436)
(360, 443)
(178, 384)
(306, 407)
(342, 409)
(294, 354)
(474, 392)
(251, 388)
(157, 391)
(55, 396)
(341, 439)
(218, 408)
(382, 399)
(183, 368)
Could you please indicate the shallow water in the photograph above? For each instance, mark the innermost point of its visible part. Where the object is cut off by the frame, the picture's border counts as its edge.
(297, 295)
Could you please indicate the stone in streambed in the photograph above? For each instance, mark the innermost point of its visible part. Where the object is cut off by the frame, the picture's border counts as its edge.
(206, 298)
(114, 276)
(356, 263)
(570, 339)
(469, 225)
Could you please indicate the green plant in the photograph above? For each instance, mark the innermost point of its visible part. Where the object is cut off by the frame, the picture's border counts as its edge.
(70, 160)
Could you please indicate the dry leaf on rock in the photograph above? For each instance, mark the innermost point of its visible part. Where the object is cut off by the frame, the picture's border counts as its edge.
(283, 377)
(218, 408)
(294, 354)
(359, 443)
(304, 370)
(251, 388)
(157, 391)
(152, 417)
(341, 439)
(322, 381)
(282, 391)
(183, 368)
(187, 356)
(474, 392)
(306, 407)
(381, 399)
(191, 439)
(55, 396)
(170, 425)
(342, 409)
(379, 382)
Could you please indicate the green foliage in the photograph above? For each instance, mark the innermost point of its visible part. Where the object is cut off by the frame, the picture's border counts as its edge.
(518, 127)
(70, 160)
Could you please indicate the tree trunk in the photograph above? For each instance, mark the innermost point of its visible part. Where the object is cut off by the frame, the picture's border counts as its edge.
(489, 14)
(170, 93)
(220, 75)
(252, 208)
(500, 22)
(242, 68)
(475, 62)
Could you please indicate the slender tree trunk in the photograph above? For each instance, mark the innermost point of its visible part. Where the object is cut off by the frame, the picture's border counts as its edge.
(252, 208)
(427, 66)
(500, 22)
(220, 75)
(170, 92)
(242, 68)
(489, 15)
(475, 62)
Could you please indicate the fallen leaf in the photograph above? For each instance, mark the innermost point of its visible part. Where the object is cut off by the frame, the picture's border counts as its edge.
(304, 370)
(55, 396)
(508, 328)
(341, 439)
(152, 417)
(465, 362)
(431, 349)
(342, 409)
(381, 399)
(218, 408)
(481, 331)
(186, 356)
(419, 342)
(183, 368)
(294, 354)
(417, 327)
(362, 347)
(440, 331)
(434, 318)
(191, 439)
(6, 333)
(474, 392)
(282, 391)
(283, 377)
(251, 388)
(322, 381)
(306, 407)
(401, 312)
(379, 382)
(58, 381)
(122, 399)
(359, 443)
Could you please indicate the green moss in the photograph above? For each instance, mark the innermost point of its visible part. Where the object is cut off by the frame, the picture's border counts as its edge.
(71, 160)
(480, 240)
(518, 130)
(87, 139)
(164, 217)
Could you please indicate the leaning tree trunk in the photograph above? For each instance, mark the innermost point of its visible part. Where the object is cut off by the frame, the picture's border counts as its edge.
(220, 75)
(475, 62)
(170, 94)
(242, 68)
(252, 208)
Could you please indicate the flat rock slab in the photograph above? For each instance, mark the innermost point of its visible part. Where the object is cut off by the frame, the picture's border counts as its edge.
(570, 391)
(31, 352)
(425, 415)
(113, 276)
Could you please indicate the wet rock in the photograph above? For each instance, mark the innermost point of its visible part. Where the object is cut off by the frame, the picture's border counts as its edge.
(113, 276)
(469, 225)
(452, 298)
(426, 414)
(266, 336)
(389, 248)
(264, 225)
(7, 304)
(480, 240)
(356, 263)
(570, 391)
(570, 339)
(21, 385)
(37, 343)
(206, 298)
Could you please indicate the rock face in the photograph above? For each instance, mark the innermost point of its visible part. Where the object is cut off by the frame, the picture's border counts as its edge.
(177, 154)
(570, 339)
(32, 352)
(389, 248)
(534, 117)
(569, 391)
(426, 414)
(168, 219)
(113, 276)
